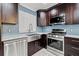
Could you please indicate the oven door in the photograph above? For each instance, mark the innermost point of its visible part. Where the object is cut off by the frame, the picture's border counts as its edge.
(56, 44)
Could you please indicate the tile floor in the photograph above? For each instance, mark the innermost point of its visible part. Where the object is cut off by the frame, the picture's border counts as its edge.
(43, 52)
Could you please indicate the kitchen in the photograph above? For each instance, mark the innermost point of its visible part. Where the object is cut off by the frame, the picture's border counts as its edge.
(38, 29)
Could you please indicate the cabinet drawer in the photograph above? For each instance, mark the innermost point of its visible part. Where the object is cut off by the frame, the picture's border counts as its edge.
(71, 41)
(75, 49)
(71, 50)
(74, 54)
(74, 41)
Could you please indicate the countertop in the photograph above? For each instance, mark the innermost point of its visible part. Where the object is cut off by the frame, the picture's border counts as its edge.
(6, 37)
(73, 36)
(12, 37)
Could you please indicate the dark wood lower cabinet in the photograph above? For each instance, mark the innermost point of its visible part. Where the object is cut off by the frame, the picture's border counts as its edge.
(1, 49)
(33, 47)
(71, 46)
(37, 45)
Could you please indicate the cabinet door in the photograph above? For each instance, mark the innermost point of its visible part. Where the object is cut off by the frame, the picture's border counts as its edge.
(1, 49)
(10, 49)
(33, 47)
(72, 13)
(23, 48)
(41, 18)
(0, 22)
(0, 16)
(67, 49)
(68, 14)
(1, 44)
(76, 13)
(54, 12)
(61, 10)
(16, 48)
(9, 13)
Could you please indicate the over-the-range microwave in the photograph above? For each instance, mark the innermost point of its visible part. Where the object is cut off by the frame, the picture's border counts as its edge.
(57, 20)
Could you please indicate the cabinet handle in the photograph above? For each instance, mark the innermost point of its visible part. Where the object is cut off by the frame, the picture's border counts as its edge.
(75, 48)
(75, 41)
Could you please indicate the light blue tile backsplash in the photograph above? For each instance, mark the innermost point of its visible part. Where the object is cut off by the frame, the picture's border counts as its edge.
(70, 29)
(15, 28)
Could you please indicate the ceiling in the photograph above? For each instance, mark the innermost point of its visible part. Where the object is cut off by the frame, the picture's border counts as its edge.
(36, 6)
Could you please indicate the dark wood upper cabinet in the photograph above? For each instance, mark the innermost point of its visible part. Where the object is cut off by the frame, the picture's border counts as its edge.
(57, 10)
(66, 10)
(54, 12)
(61, 9)
(42, 18)
(9, 13)
(70, 11)
(76, 13)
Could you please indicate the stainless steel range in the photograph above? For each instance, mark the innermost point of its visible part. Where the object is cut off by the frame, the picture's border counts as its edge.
(56, 41)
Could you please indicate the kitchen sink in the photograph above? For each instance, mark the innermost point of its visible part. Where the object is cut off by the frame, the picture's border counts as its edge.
(33, 34)
(32, 37)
